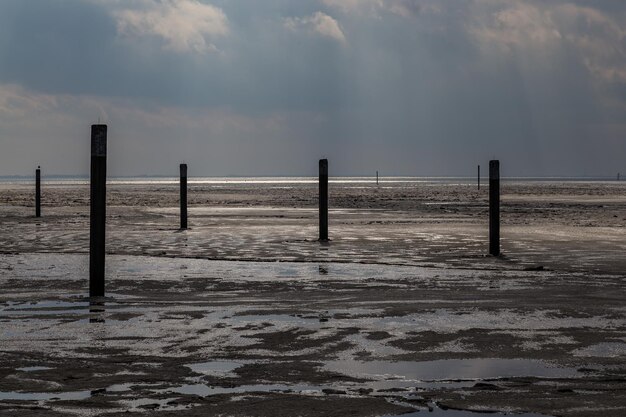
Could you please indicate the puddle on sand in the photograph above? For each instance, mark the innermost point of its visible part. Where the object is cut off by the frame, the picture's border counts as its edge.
(27, 310)
(44, 304)
(215, 368)
(602, 350)
(55, 307)
(203, 390)
(128, 386)
(434, 411)
(144, 404)
(450, 369)
(273, 319)
(33, 368)
(438, 412)
(44, 396)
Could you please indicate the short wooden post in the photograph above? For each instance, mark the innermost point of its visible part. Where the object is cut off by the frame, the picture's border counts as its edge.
(323, 184)
(98, 210)
(479, 177)
(38, 192)
(183, 196)
(494, 208)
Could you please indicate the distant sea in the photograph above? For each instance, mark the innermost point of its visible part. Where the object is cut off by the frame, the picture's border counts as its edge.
(156, 180)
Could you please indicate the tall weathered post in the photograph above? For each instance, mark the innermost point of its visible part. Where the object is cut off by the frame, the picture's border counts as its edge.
(98, 210)
(38, 192)
(323, 199)
(494, 208)
(478, 177)
(376, 177)
(183, 196)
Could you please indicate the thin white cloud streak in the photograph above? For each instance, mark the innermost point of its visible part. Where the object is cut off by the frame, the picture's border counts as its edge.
(16, 102)
(145, 137)
(319, 24)
(19, 104)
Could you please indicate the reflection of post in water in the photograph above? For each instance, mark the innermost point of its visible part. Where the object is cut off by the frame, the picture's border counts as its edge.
(96, 311)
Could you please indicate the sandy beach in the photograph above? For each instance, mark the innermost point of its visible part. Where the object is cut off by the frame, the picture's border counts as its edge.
(246, 313)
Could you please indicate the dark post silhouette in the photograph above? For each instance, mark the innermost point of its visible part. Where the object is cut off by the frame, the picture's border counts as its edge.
(494, 208)
(479, 177)
(183, 196)
(323, 200)
(38, 192)
(376, 177)
(98, 210)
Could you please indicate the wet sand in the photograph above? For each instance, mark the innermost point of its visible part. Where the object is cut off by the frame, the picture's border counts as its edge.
(247, 314)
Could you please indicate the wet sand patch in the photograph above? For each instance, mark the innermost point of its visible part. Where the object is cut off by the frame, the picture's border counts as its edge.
(273, 333)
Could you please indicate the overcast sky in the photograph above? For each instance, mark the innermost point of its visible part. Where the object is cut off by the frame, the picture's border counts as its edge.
(267, 87)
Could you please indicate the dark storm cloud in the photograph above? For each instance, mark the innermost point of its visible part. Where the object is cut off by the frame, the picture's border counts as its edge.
(411, 86)
(74, 47)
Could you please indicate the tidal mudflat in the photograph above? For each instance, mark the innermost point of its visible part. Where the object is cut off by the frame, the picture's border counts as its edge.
(245, 313)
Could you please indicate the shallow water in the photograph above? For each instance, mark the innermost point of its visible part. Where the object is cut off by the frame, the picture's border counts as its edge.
(438, 412)
(204, 390)
(309, 328)
(606, 350)
(450, 369)
(215, 368)
(44, 396)
(33, 368)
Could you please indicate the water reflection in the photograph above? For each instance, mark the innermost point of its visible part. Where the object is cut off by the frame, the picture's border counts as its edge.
(434, 411)
(450, 369)
(44, 396)
(97, 311)
(215, 368)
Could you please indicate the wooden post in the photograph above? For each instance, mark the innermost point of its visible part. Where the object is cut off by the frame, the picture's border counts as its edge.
(183, 196)
(323, 180)
(494, 208)
(479, 177)
(98, 210)
(376, 177)
(38, 192)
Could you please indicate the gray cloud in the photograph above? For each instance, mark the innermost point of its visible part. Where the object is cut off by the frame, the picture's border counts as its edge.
(404, 86)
